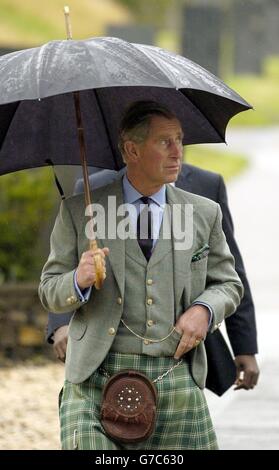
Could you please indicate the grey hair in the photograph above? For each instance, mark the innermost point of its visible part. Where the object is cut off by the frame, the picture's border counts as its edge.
(136, 121)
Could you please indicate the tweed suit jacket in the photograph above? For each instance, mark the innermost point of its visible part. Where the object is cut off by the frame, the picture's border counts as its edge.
(211, 279)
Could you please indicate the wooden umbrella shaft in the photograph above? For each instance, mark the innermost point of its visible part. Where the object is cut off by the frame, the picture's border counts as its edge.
(67, 22)
(82, 150)
(79, 125)
(93, 243)
(99, 267)
(100, 276)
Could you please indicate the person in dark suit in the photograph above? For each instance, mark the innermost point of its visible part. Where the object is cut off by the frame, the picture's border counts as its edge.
(241, 327)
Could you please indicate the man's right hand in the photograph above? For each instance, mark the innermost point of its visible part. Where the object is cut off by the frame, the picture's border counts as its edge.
(60, 340)
(85, 273)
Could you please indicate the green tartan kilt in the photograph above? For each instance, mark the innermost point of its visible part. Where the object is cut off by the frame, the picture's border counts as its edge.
(183, 420)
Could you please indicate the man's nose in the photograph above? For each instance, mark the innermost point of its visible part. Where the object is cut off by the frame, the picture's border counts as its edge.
(176, 150)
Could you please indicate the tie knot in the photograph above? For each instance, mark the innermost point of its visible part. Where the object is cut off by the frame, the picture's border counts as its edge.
(145, 200)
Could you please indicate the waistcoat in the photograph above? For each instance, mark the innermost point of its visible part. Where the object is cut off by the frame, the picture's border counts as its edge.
(149, 309)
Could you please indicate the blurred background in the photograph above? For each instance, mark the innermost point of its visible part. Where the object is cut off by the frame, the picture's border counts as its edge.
(237, 40)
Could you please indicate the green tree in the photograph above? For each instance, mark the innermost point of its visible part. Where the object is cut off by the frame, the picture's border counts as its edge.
(27, 200)
(149, 11)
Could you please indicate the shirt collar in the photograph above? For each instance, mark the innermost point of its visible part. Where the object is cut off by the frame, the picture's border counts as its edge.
(131, 195)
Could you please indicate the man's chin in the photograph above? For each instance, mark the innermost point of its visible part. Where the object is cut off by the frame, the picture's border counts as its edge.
(172, 177)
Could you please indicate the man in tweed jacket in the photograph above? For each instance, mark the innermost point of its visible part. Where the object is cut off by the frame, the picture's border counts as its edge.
(192, 288)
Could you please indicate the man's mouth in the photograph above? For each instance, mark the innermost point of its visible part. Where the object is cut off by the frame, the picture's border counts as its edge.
(173, 168)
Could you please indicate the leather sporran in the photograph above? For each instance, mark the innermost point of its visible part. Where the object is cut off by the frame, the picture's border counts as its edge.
(128, 409)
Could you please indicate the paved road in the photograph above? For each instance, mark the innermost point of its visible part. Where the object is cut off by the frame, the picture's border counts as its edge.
(250, 420)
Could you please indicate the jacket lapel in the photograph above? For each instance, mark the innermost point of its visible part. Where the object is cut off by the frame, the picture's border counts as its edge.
(181, 258)
(115, 244)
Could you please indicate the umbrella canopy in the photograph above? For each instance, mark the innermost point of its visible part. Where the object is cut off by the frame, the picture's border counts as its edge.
(37, 113)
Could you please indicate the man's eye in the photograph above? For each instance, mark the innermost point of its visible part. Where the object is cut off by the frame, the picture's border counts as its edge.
(164, 142)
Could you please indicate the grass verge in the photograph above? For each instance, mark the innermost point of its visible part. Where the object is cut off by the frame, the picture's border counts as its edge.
(228, 164)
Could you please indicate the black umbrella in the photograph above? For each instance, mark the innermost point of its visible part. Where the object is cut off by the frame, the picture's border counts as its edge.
(39, 117)
(37, 112)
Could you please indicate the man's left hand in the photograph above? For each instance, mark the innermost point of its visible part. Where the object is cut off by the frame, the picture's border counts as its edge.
(247, 372)
(193, 325)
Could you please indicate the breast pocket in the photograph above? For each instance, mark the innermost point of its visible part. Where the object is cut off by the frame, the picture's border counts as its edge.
(200, 265)
(198, 277)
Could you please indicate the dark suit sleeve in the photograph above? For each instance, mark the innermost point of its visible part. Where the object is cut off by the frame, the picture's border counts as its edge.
(241, 327)
(98, 179)
(79, 186)
(56, 321)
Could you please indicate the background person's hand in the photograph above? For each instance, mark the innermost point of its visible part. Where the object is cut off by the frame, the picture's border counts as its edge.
(86, 272)
(247, 372)
(60, 340)
(193, 325)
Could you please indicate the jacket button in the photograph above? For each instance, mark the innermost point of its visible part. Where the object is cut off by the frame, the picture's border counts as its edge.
(111, 331)
(119, 300)
(149, 282)
(71, 300)
(150, 322)
(146, 342)
(149, 301)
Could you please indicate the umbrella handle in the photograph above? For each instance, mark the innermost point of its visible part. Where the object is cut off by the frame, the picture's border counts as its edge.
(99, 267)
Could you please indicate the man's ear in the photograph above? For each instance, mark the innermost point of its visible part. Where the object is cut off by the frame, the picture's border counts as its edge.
(131, 150)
